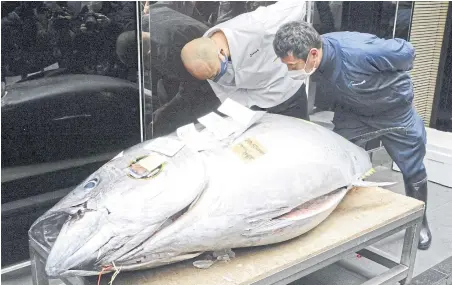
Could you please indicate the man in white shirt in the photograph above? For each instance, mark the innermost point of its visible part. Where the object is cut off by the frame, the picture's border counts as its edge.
(237, 58)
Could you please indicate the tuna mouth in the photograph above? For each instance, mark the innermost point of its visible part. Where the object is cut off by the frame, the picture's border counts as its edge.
(46, 230)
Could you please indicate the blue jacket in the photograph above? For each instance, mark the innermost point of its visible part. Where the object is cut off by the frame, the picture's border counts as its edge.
(369, 75)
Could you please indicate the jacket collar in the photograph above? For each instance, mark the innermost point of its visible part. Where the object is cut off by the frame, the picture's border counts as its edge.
(328, 62)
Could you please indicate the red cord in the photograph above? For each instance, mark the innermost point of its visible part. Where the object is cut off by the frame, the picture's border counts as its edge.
(102, 271)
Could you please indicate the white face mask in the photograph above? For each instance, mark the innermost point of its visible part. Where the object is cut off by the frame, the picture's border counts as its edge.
(298, 74)
(301, 74)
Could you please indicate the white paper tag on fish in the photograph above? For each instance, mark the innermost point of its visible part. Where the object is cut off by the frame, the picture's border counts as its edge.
(220, 127)
(237, 112)
(256, 117)
(187, 132)
(194, 139)
(165, 145)
(244, 116)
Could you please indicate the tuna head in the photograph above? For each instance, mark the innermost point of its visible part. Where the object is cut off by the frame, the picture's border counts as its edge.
(117, 208)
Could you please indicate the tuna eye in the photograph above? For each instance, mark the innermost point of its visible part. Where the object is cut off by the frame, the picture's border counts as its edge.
(91, 184)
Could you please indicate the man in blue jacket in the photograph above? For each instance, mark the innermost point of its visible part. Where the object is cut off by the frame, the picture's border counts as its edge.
(372, 91)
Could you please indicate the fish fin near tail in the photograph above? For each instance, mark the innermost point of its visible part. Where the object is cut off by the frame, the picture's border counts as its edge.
(372, 184)
(359, 182)
(361, 140)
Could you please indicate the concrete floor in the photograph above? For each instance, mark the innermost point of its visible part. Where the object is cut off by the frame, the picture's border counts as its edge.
(354, 270)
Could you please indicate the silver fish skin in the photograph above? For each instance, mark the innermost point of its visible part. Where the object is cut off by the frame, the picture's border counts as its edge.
(120, 212)
(203, 201)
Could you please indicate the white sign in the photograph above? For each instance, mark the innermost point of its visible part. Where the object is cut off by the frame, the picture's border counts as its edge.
(165, 145)
(221, 128)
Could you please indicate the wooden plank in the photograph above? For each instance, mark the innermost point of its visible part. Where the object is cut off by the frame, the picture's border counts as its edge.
(362, 211)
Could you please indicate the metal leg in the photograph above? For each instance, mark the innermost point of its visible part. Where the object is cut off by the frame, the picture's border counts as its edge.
(409, 250)
(38, 274)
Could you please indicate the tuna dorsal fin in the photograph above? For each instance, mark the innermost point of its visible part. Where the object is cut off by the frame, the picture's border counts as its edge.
(362, 139)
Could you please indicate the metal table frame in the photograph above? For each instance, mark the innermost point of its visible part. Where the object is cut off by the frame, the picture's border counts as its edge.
(397, 271)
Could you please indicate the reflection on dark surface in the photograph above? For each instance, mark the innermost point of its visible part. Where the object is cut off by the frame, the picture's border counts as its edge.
(66, 117)
(211, 13)
(403, 22)
(80, 38)
(68, 103)
(180, 98)
(369, 17)
(374, 17)
(443, 113)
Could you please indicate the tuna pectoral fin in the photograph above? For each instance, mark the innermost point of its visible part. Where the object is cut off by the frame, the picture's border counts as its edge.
(362, 139)
(306, 216)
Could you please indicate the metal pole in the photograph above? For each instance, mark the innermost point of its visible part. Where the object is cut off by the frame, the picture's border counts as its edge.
(309, 19)
(395, 20)
(140, 75)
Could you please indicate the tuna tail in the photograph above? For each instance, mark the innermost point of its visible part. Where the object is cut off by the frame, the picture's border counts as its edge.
(359, 182)
(362, 139)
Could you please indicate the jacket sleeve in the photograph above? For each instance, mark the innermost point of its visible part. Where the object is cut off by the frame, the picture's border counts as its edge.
(389, 55)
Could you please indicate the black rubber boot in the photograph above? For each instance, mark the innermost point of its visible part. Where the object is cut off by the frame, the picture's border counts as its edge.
(419, 191)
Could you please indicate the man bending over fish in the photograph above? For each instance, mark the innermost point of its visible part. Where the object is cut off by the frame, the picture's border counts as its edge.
(372, 91)
(167, 33)
(236, 57)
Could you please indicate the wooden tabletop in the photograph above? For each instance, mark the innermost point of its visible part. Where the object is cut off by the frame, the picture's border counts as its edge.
(361, 211)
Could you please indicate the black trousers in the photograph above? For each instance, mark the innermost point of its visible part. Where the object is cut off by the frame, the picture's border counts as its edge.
(296, 106)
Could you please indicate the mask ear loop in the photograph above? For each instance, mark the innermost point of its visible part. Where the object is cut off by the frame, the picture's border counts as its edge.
(313, 52)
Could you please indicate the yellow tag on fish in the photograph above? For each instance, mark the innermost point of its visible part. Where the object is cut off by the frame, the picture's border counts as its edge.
(249, 149)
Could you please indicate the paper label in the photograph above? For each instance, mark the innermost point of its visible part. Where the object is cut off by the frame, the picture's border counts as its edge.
(194, 139)
(165, 145)
(187, 132)
(255, 118)
(244, 116)
(220, 127)
(146, 167)
(237, 112)
(249, 149)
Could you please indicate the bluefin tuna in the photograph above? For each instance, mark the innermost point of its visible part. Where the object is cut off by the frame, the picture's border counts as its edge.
(274, 182)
